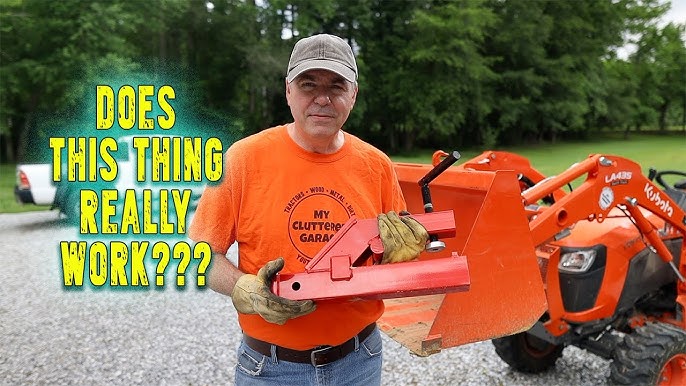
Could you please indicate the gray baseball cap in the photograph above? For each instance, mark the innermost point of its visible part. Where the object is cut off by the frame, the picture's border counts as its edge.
(322, 52)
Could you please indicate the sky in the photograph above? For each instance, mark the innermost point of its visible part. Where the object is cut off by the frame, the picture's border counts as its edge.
(677, 13)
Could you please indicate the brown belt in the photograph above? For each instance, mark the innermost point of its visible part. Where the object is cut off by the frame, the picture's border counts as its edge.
(317, 356)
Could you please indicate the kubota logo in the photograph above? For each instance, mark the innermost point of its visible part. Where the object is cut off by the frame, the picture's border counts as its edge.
(621, 176)
(655, 197)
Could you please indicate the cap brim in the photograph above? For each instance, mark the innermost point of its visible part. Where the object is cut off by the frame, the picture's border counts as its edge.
(318, 64)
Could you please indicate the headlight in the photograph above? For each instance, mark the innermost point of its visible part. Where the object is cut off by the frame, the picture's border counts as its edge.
(577, 261)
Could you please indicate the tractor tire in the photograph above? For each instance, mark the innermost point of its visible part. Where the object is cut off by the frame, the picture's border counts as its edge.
(527, 353)
(652, 354)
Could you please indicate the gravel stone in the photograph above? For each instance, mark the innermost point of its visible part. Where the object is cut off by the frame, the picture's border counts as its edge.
(53, 336)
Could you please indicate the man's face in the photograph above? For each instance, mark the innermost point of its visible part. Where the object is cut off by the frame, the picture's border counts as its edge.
(320, 102)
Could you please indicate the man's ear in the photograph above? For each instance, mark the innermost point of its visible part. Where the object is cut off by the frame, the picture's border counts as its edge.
(288, 92)
(354, 95)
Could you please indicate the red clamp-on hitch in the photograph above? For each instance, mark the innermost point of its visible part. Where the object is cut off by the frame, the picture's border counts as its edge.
(341, 270)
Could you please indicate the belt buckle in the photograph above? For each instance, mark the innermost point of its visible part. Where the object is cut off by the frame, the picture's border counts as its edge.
(313, 355)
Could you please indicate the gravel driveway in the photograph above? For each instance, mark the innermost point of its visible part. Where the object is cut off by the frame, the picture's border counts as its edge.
(51, 336)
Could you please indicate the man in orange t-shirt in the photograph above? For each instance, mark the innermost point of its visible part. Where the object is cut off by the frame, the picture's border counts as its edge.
(286, 191)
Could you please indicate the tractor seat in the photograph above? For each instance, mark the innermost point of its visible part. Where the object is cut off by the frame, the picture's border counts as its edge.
(679, 196)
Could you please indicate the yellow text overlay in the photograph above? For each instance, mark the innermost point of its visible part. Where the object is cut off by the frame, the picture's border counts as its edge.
(124, 265)
(170, 159)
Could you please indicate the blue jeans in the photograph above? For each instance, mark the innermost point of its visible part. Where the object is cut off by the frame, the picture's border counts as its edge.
(360, 367)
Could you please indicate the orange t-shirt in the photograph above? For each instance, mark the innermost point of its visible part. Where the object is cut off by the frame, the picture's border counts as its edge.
(276, 199)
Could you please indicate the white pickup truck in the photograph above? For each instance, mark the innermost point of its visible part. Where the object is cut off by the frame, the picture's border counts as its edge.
(34, 183)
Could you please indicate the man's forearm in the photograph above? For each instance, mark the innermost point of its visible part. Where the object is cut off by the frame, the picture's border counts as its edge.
(223, 275)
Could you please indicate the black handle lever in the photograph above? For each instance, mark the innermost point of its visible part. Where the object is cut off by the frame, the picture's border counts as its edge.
(431, 175)
(434, 244)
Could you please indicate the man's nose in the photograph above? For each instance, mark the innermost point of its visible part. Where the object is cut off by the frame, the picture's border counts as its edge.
(322, 99)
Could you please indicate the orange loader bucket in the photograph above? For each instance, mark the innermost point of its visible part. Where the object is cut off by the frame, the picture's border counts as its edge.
(506, 294)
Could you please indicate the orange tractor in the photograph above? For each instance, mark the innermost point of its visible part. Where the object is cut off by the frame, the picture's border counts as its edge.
(600, 267)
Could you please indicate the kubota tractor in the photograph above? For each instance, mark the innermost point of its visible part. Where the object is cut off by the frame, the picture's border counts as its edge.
(613, 281)
(611, 255)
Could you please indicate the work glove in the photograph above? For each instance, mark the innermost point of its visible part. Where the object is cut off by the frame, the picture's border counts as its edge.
(403, 238)
(251, 295)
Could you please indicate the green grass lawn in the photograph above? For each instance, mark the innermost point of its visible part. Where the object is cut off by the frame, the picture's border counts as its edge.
(657, 151)
(662, 152)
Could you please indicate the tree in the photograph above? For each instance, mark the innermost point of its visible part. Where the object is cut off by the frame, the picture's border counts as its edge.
(622, 96)
(582, 35)
(46, 47)
(661, 54)
(518, 43)
(449, 90)
(432, 72)
(426, 70)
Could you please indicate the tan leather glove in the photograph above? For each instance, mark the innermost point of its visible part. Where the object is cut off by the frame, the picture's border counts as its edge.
(252, 295)
(403, 238)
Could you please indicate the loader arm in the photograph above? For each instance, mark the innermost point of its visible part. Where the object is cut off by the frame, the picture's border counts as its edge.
(611, 181)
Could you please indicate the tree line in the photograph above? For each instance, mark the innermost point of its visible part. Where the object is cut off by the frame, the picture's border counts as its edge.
(433, 73)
